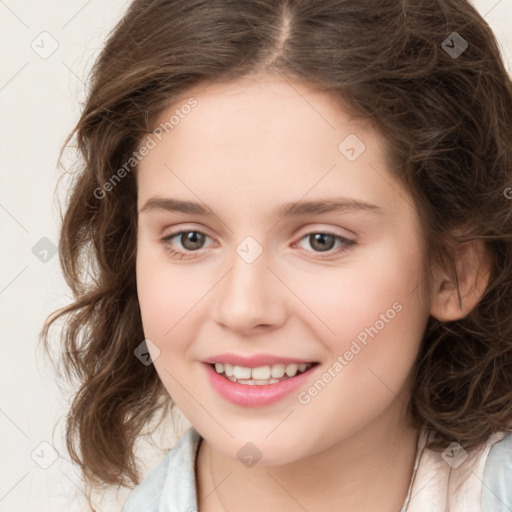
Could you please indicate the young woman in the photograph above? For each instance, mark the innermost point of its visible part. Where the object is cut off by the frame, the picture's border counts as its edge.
(294, 223)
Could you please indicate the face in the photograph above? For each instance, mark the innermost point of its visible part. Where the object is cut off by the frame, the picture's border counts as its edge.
(299, 248)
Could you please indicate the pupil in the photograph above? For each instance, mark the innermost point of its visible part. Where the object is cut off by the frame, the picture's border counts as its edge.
(324, 241)
(192, 240)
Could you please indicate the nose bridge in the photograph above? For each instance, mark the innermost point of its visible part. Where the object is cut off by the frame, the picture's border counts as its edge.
(247, 298)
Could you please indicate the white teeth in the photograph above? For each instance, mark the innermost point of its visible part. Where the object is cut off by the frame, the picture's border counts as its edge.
(260, 375)
(291, 369)
(252, 382)
(278, 371)
(241, 372)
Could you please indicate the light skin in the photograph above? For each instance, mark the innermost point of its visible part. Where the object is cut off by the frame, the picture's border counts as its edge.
(245, 150)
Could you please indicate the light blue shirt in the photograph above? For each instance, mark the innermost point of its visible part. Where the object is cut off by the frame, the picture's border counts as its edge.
(171, 485)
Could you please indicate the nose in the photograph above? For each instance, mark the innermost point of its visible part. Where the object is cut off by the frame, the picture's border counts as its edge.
(249, 298)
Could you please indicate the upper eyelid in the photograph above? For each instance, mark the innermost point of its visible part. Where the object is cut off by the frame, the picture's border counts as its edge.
(302, 234)
(331, 231)
(172, 234)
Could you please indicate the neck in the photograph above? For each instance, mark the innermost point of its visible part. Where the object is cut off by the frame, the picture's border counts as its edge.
(368, 471)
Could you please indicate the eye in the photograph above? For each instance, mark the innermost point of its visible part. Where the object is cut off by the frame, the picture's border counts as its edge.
(190, 241)
(326, 242)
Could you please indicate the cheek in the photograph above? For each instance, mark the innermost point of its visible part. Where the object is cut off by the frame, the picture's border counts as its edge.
(171, 297)
(377, 290)
(380, 319)
(162, 293)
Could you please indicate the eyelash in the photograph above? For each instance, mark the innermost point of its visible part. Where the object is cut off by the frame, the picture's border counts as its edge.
(187, 255)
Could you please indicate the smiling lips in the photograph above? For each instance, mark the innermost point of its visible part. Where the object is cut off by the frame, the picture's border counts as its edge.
(261, 375)
(257, 380)
(258, 369)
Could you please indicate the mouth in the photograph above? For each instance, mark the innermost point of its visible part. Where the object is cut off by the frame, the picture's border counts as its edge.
(261, 375)
(259, 386)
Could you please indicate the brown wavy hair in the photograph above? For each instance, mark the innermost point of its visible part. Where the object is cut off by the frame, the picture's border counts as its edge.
(447, 120)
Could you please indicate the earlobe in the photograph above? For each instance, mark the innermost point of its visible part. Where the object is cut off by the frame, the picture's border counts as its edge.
(458, 291)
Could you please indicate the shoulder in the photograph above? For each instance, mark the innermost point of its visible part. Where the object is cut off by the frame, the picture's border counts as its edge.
(172, 481)
(497, 488)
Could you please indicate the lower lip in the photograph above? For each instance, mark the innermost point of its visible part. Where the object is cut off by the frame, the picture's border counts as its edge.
(246, 395)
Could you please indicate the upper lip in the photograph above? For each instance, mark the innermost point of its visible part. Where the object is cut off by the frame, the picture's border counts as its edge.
(255, 360)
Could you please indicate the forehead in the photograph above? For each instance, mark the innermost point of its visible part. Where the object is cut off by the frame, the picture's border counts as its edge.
(263, 104)
(267, 139)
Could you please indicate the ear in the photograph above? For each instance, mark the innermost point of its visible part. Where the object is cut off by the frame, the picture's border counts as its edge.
(455, 293)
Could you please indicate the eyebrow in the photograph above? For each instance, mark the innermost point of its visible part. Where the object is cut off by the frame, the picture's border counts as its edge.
(285, 210)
